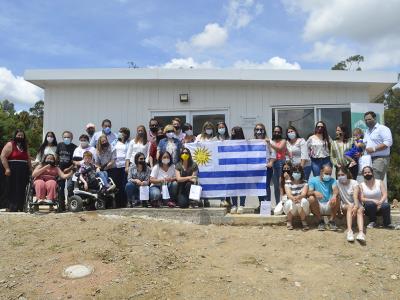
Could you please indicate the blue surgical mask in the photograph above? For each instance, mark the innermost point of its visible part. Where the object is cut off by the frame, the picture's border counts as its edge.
(296, 175)
(221, 131)
(67, 141)
(107, 130)
(291, 135)
(326, 177)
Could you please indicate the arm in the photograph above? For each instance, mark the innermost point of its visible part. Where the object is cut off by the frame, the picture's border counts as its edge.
(288, 191)
(335, 194)
(333, 154)
(39, 170)
(179, 178)
(5, 153)
(280, 147)
(85, 184)
(384, 193)
(387, 141)
(63, 175)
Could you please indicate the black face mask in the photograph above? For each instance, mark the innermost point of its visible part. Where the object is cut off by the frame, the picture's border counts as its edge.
(141, 134)
(368, 176)
(177, 128)
(276, 136)
(105, 145)
(51, 163)
(141, 162)
(19, 140)
(159, 138)
(90, 132)
(153, 129)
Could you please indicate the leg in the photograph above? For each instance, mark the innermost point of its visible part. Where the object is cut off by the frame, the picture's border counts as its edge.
(304, 209)
(349, 218)
(183, 194)
(360, 219)
(40, 189)
(234, 201)
(380, 166)
(315, 166)
(131, 190)
(275, 178)
(51, 189)
(242, 200)
(314, 206)
(307, 172)
(334, 209)
(385, 211)
(155, 193)
(269, 178)
(370, 211)
(173, 190)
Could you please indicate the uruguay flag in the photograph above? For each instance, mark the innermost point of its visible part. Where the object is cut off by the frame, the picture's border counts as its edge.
(231, 168)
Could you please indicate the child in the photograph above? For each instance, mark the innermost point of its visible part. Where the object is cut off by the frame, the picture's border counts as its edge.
(356, 151)
(88, 172)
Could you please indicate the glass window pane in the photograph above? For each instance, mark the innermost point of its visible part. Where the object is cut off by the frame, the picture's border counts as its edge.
(199, 120)
(165, 120)
(302, 119)
(333, 117)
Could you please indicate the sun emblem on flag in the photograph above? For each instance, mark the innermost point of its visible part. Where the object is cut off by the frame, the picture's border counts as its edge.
(202, 156)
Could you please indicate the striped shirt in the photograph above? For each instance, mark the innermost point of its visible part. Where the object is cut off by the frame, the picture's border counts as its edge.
(296, 189)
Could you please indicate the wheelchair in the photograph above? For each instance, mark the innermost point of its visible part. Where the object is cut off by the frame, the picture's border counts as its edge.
(97, 198)
(31, 204)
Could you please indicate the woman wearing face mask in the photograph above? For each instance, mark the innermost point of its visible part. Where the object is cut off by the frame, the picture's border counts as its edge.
(170, 144)
(176, 122)
(207, 133)
(340, 146)
(49, 146)
(349, 202)
(237, 134)
(104, 159)
(138, 175)
(373, 195)
(279, 145)
(222, 132)
(82, 148)
(188, 131)
(286, 172)
(120, 146)
(17, 165)
(138, 144)
(163, 174)
(159, 135)
(319, 146)
(186, 174)
(45, 179)
(296, 189)
(297, 150)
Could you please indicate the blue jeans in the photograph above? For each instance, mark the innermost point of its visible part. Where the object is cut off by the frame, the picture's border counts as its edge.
(103, 175)
(155, 192)
(270, 171)
(132, 191)
(307, 172)
(235, 200)
(318, 163)
(277, 167)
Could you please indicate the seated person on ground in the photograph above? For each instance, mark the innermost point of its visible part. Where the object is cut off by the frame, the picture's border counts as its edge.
(186, 174)
(138, 175)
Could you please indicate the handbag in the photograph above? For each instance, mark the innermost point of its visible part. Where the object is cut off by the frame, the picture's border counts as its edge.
(265, 208)
(144, 192)
(195, 192)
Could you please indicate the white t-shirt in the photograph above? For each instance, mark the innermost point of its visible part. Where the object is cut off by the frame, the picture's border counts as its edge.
(159, 173)
(78, 152)
(134, 148)
(298, 151)
(120, 151)
(346, 191)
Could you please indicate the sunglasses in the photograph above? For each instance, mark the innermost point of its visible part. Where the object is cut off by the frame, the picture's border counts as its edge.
(286, 170)
(321, 127)
(169, 131)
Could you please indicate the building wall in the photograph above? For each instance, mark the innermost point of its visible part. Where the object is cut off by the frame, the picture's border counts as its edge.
(72, 106)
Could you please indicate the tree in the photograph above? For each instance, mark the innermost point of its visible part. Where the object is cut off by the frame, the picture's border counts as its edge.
(38, 109)
(8, 107)
(348, 64)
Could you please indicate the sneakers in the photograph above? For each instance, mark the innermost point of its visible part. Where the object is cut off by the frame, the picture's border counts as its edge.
(361, 237)
(305, 225)
(47, 201)
(234, 210)
(389, 226)
(171, 204)
(350, 236)
(332, 226)
(371, 225)
(240, 210)
(321, 225)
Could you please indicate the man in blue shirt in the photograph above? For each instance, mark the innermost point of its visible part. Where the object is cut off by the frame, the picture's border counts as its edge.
(323, 196)
(111, 136)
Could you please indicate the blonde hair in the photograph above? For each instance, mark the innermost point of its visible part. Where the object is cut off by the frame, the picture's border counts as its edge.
(169, 127)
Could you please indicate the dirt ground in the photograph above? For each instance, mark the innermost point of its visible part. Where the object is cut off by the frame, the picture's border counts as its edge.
(137, 258)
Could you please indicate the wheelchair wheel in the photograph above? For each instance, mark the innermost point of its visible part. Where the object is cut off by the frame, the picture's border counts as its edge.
(28, 205)
(75, 204)
(100, 204)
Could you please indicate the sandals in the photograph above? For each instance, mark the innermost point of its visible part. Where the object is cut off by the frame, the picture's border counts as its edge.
(289, 226)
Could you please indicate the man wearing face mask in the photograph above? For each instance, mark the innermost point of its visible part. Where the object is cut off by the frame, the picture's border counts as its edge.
(153, 128)
(378, 140)
(111, 136)
(176, 122)
(90, 129)
(82, 148)
(323, 196)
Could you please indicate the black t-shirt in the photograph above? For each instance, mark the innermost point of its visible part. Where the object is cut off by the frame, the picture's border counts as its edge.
(64, 153)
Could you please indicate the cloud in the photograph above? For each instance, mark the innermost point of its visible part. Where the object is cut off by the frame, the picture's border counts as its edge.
(275, 63)
(242, 12)
(185, 63)
(16, 89)
(340, 28)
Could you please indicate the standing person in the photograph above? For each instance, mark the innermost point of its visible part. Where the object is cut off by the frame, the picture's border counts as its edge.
(138, 175)
(187, 129)
(169, 144)
(319, 145)
(186, 174)
(207, 132)
(279, 145)
(350, 204)
(378, 140)
(17, 166)
(177, 123)
(374, 197)
(138, 144)
(222, 132)
(65, 153)
(237, 134)
(49, 145)
(118, 172)
(81, 149)
(323, 197)
(297, 150)
(260, 133)
(90, 130)
(104, 159)
(153, 128)
(340, 146)
(153, 147)
(106, 130)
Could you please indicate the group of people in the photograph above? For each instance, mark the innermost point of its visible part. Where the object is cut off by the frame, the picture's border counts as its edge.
(159, 161)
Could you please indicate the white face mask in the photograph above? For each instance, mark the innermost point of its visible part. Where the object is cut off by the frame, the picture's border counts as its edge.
(50, 139)
(209, 131)
(221, 131)
(342, 179)
(84, 144)
(170, 135)
(165, 161)
(189, 132)
(291, 135)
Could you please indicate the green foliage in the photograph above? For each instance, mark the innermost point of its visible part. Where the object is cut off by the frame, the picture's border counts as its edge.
(31, 122)
(350, 64)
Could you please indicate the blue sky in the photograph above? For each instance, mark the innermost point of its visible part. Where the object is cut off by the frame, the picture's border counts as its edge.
(280, 34)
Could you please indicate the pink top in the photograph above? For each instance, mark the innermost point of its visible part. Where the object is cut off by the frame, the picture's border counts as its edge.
(281, 154)
(49, 174)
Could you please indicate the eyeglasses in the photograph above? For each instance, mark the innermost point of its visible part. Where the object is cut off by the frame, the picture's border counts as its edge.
(169, 131)
(321, 127)
(286, 170)
(259, 129)
(185, 153)
(141, 159)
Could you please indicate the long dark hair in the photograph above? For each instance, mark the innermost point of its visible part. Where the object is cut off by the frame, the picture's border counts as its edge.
(226, 134)
(345, 170)
(190, 160)
(345, 130)
(46, 143)
(298, 168)
(136, 160)
(144, 138)
(325, 136)
(280, 128)
(294, 129)
(239, 135)
(24, 143)
(287, 163)
(160, 158)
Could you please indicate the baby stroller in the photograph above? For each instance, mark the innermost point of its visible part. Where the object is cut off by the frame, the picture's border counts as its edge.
(31, 204)
(96, 197)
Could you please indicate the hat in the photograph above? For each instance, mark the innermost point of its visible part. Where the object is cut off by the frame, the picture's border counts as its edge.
(89, 125)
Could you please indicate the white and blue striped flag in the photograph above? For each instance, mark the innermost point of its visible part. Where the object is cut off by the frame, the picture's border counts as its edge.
(231, 168)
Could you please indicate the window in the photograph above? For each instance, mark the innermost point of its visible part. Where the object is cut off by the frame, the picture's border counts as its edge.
(165, 120)
(302, 119)
(333, 117)
(200, 119)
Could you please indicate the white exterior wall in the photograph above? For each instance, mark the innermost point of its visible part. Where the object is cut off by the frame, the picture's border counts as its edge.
(129, 103)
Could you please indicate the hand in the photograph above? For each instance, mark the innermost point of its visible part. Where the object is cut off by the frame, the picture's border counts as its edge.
(338, 166)
(352, 164)
(297, 199)
(354, 211)
(318, 195)
(194, 179)
(98, 169)
(332, 202)
(286, 176)
(268, 141)
(269, 164)
(7, 172)
(358, 155)
(369, 150)
(86, 187)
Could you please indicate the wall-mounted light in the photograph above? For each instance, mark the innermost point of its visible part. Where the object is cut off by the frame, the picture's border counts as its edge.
(184, 97)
